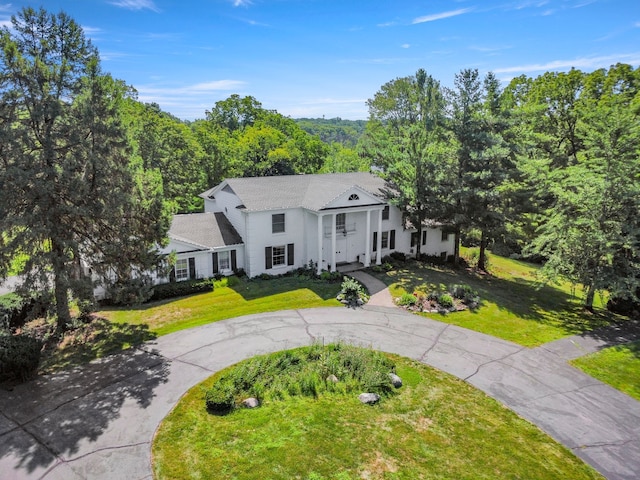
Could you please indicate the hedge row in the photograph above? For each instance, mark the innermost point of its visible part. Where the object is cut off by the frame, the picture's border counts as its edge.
(179, 289)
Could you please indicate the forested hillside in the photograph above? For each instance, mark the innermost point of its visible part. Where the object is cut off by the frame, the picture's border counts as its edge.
(334, 130)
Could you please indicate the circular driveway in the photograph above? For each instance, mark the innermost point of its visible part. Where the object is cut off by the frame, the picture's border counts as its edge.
(98, 421)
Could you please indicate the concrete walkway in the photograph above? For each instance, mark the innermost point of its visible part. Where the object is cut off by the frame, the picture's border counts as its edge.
(380, 295)
(98, 421)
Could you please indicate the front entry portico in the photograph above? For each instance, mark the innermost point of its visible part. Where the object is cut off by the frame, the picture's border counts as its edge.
(350, 238)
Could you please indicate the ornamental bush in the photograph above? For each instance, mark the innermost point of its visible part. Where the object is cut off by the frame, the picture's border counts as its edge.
(407, 300)
(19, 357)
(219, 398)
(445, 300)
(179, 289)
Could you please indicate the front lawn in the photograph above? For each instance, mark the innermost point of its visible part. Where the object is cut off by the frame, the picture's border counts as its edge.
(617, 366)
(434, 427)
(514, 306)
(232, 297)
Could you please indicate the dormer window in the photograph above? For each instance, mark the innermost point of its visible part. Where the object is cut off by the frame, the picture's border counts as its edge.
(354, 196)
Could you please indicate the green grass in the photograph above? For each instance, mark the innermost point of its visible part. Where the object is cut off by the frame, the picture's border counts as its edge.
(417, 433)
(231, 298)
(617, 366)
(515, 306)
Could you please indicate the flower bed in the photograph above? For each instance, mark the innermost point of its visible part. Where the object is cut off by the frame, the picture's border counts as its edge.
(454, 299)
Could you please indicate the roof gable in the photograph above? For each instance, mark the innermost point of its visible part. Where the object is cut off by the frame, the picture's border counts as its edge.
(353, 197)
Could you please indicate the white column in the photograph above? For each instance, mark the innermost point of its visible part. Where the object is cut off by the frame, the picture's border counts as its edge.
(379, 243)
(333, 242)
(320, 232)
(367, 242)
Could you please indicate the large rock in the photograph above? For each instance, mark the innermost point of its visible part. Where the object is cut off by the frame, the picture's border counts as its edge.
(395, 380)
(251, 402)
(369, 398)
(332, 378)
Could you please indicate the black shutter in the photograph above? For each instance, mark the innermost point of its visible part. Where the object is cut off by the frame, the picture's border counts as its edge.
(290, 254)
(375, 241)
(192, 267)
(268, 258)
(215, 262)
(392, 239)
(234, 261)
(172, 275)
(424, 237)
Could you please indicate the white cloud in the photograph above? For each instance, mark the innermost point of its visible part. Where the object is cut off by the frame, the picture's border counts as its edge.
(196, 89)
(440, 16)
(91, 30)
(190, 101)
(637, 25)
(241, 3)
(6, 23)
(405, 45)
(387, 24)
(483, 49)
(136, 5)
(350, 108)
(584, 62)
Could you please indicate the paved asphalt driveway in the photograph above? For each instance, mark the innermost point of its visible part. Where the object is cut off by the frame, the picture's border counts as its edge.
(98, 421)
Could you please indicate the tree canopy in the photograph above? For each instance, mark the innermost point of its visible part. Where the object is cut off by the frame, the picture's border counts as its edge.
(69, 196)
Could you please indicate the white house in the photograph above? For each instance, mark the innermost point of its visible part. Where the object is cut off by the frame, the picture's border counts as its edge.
(276, 224)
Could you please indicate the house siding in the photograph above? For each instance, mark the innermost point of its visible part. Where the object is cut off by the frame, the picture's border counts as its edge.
(259, 231)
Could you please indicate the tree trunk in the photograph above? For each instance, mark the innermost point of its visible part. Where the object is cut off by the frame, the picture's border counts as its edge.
(588, 301)
(456, 247)
(482, 256)
(60, 287)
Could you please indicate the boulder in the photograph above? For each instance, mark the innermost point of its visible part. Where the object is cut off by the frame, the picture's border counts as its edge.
(251, 402)
(332, 378)
(395, 380)
(369, 398)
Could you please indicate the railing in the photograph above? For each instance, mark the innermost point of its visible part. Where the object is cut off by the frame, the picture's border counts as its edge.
(345, 230)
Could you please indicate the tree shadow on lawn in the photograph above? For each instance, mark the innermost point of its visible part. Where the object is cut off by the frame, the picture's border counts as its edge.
(257, 288)
(66, 414)
(527, 299)
(92, 340)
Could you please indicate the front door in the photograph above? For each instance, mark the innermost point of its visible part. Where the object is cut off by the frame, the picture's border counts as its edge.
(341, 248)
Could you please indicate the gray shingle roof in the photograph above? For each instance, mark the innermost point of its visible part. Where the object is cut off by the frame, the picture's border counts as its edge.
(206, 230)
(308, 191)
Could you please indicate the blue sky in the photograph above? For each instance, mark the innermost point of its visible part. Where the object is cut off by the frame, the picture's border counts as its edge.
(314, 58)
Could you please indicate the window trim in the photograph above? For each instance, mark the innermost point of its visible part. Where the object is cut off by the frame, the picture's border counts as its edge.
(182, 272)
(282, 255)
(276, 225)
(221, 255)
(384, 240)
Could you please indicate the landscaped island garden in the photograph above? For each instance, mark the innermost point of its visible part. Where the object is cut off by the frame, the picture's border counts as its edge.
(310, 426)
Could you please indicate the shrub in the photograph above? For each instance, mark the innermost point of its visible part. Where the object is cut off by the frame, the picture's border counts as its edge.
(220, 397)
(351, 290)
(407, 300)
(462, 292)
(19, 356)
(398, 256)
(179, 289)
(302, 372)
(15, 311)
(130, 292)
(445, 300)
